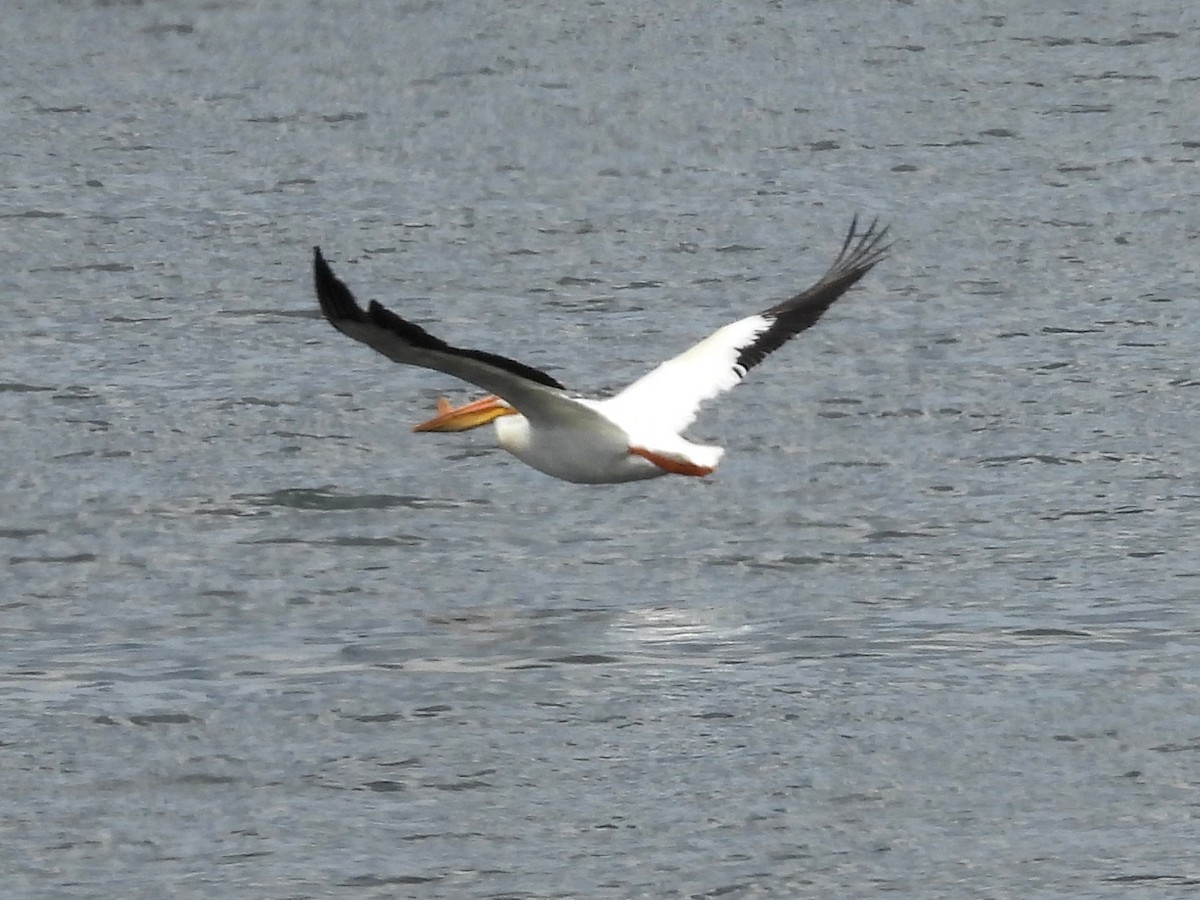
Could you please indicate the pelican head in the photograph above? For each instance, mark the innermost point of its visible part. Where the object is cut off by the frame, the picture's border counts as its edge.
(465, 417)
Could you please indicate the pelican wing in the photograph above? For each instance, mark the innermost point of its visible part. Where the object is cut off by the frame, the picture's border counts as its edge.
(532, 392)
(670, 396)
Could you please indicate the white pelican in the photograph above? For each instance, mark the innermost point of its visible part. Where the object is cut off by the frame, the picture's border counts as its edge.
(632, 435)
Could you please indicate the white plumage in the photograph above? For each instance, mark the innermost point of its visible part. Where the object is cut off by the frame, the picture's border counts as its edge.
(633, 435)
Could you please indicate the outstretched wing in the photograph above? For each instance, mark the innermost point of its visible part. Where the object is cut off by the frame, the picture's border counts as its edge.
(670, 396)
(525, 387)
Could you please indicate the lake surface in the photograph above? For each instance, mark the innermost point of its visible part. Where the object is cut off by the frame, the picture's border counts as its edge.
(930, 631)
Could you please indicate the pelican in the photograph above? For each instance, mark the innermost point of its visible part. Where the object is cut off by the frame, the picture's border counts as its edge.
(632, 435)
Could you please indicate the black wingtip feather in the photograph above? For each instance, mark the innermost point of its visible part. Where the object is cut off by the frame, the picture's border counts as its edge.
(336, 300)
(861, 251)
(411, 332)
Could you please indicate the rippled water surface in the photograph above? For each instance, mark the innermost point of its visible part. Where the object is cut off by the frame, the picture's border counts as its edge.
(930, 631)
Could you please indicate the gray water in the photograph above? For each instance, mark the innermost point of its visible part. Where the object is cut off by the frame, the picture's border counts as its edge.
(930, 631)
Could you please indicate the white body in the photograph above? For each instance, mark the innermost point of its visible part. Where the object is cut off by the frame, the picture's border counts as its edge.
(598, 454)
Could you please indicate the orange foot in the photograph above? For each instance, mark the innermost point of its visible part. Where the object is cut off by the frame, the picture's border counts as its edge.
(672, 464)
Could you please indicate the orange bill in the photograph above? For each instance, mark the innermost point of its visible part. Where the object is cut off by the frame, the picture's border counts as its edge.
(469, 415)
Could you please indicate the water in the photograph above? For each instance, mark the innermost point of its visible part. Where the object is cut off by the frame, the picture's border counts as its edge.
(931, 629)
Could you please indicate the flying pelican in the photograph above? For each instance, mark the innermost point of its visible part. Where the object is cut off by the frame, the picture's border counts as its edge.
(633, 435)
